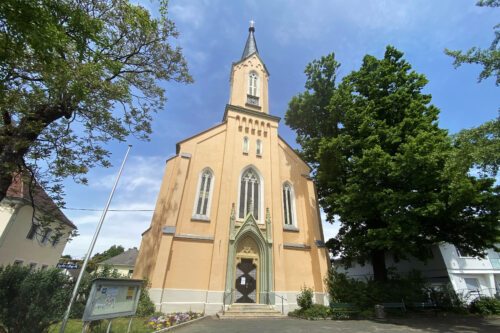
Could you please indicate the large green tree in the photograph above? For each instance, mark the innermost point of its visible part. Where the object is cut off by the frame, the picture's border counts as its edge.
(488, 58)
(385, 168)
(75, 74)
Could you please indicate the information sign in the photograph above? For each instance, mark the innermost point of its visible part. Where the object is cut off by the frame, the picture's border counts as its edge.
(112, 298)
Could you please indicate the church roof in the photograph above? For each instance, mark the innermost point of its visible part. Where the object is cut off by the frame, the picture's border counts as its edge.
(251, 44)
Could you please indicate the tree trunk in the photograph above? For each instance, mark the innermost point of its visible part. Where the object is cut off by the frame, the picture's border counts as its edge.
(378, 263)
(15, 141)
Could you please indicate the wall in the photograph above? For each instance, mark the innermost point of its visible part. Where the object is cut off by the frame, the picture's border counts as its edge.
(15, 245)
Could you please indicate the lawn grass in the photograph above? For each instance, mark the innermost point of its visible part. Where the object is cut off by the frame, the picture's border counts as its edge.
(119, 325)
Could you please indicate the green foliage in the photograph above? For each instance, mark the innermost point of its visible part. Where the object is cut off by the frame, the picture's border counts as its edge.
(489, 58)
(87, 74)
(385, 168)
(485, 306)
(31, 301)
(479, 148)
(113, 251)
(315, 311)
(446, 298)
(145, 307)
(366, 294)
(305, 298)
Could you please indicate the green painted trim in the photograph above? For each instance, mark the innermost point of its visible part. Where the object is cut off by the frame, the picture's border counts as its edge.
(250, 228)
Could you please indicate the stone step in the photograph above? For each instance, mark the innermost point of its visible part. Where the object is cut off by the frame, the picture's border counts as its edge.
(250, 311)
(236, 315)
(250, 307)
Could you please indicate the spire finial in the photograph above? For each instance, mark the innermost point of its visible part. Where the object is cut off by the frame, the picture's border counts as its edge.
(251, 45)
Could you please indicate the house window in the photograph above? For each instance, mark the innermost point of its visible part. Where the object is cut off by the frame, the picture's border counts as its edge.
(32, 232)
(462, 254)
(205, 185)
(253, 81)
(249, 194)
(259, 148)
(246, 145)
(56, 239)
(472, 284)
(18, 262)
(46, 235)
(44, 267)
(32, 266)
(288, 204)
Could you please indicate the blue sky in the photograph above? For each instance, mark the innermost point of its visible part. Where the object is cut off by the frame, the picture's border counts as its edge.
(289, 34)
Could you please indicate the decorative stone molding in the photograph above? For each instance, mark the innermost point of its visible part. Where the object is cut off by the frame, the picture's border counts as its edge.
(168, 230)
(296, 246)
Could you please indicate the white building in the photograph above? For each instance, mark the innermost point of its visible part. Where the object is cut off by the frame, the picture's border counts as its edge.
(469, 276)
(22, 239)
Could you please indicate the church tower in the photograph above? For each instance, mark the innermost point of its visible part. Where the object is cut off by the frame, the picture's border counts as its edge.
(237, 218)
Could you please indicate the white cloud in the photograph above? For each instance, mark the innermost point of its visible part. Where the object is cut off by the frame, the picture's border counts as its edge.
(192, 12)
(137, 190)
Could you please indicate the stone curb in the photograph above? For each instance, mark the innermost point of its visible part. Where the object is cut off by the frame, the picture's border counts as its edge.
(180, 325)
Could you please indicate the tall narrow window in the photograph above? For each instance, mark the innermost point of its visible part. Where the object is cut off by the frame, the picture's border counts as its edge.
(252, 84)
(249, 194)
(34, 228)
(246, 145)
(202, 204)
(259, 148)
(46, 235)
(288, 204)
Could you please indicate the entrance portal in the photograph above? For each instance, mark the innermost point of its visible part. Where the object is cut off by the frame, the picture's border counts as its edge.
(246, 285)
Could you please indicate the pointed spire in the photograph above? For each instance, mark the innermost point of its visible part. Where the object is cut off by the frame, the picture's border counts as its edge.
(251, 44)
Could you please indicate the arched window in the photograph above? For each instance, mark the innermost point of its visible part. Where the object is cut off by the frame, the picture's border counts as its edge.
(249, 194)
(253, 81)
(288, 204)
(205, 185)
(246, 145)
(259, 148)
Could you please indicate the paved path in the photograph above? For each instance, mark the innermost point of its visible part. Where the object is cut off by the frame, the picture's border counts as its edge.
(454, 324)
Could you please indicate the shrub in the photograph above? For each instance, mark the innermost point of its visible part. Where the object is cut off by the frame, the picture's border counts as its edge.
(304, 299)
(446, 298)
(31, 301)
(145, 307)
(485, 306)
(365, 294)
(315, 311)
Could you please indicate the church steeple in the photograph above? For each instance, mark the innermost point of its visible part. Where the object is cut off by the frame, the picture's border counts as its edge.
(249, 78)
(251, 44)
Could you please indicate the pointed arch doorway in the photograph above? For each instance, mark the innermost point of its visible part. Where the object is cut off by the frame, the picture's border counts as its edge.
(247, 269)
(249, 276)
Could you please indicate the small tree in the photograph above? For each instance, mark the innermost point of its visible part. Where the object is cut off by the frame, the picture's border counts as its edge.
(305, 298)
(31, 301)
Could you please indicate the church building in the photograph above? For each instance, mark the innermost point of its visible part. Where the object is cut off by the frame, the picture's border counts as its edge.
(237, 217)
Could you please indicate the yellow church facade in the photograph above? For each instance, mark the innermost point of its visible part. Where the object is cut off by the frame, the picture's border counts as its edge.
(237, 217)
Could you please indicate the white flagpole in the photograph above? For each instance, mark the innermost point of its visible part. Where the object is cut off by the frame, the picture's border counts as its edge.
(91, 247)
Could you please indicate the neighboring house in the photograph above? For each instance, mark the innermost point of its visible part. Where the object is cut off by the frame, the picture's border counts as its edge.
(469, 276)
(237, 218)
(23, 241)
(123, 263)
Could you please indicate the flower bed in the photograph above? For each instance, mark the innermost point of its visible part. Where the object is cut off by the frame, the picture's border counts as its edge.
(161, 321)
